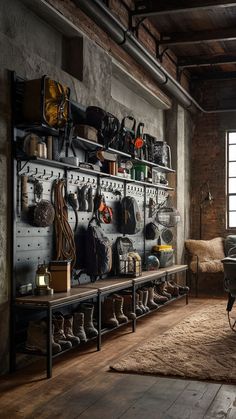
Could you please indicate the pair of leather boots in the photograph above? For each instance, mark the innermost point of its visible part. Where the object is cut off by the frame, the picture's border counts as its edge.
(62, 336)
(148, 299)
(84, 322)
(169, 289)
(142, 297)
(71, 330)
(145, 300)
(67, 331)
(117, 309)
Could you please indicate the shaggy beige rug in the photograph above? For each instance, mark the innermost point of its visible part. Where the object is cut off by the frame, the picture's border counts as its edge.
(202, 347)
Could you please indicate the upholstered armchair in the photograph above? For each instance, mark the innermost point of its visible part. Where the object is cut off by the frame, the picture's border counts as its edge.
(204, 256)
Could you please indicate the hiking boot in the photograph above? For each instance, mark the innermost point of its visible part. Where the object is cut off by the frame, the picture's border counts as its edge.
(138, 309)
(140, 293)
(108, 313)
(159, 299)
(150, 303)
(37, 337)
(145, 299)
(171, 289)
(182, 289)
(119, 313)
(78, 327)
(68, 329)
(128, 306)
(59, 334)
(160, 289)
(88, 310)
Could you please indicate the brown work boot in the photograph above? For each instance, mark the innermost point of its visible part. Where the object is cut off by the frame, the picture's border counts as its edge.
(78, 327)
(151, 303)
(59, 334)
(128, 306)
(160, 289)
(159, 299)
(171, 289)
(88, 310)
(182, 289)
(37, 337)
(108, 313)
(68, 329)
(119, 313)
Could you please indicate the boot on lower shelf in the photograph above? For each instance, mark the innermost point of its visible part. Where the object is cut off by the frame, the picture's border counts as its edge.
(141, 305)
(182, 289)
(78, 327)
(119, 313)
(128, 306)
(37, 337)
(59, 334)
(68, 329)
(159, 299)
(145, 299)
(108, 313)
(172, 289)
(138, 309)
(151, 303)
(88, 310)
(160, 289)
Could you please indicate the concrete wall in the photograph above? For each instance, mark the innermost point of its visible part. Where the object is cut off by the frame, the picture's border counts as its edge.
(179, 126)
(33, 48)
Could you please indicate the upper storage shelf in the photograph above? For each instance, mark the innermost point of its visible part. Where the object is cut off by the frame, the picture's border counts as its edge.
(89, 145)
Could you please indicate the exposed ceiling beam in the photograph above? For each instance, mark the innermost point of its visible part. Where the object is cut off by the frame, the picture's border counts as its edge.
(145, 8)
(203, 61)
(215, 75)
(228, 34)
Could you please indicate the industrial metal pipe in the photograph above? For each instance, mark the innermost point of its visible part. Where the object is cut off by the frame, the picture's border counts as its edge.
(97, 11)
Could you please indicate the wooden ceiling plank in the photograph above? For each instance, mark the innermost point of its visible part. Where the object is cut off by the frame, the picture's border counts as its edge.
(144, 8)
(227, 34)
(215, 76)
(202, 61)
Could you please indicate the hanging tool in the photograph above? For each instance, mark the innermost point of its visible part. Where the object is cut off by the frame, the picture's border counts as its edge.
(72, 199)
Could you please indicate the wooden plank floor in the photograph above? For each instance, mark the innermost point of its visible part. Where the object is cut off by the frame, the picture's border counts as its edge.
(82, 385)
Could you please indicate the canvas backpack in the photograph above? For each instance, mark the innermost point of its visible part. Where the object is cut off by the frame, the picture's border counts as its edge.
(130, 217)
(98, 251)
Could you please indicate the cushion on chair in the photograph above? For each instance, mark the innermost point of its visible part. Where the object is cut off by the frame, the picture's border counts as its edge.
(209, 252)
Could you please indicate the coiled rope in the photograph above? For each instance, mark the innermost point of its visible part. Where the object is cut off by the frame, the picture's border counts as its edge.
(65, 243)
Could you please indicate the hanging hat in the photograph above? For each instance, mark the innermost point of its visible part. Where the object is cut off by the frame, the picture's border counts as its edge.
(151, 231)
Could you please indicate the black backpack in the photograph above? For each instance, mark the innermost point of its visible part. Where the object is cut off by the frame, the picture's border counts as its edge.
(123, 246)
(130, 217)
(98, 251)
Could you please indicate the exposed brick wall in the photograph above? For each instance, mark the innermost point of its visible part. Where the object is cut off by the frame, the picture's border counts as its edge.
(208, 158)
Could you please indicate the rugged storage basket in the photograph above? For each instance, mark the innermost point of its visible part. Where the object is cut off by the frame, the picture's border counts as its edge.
(45, 101)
